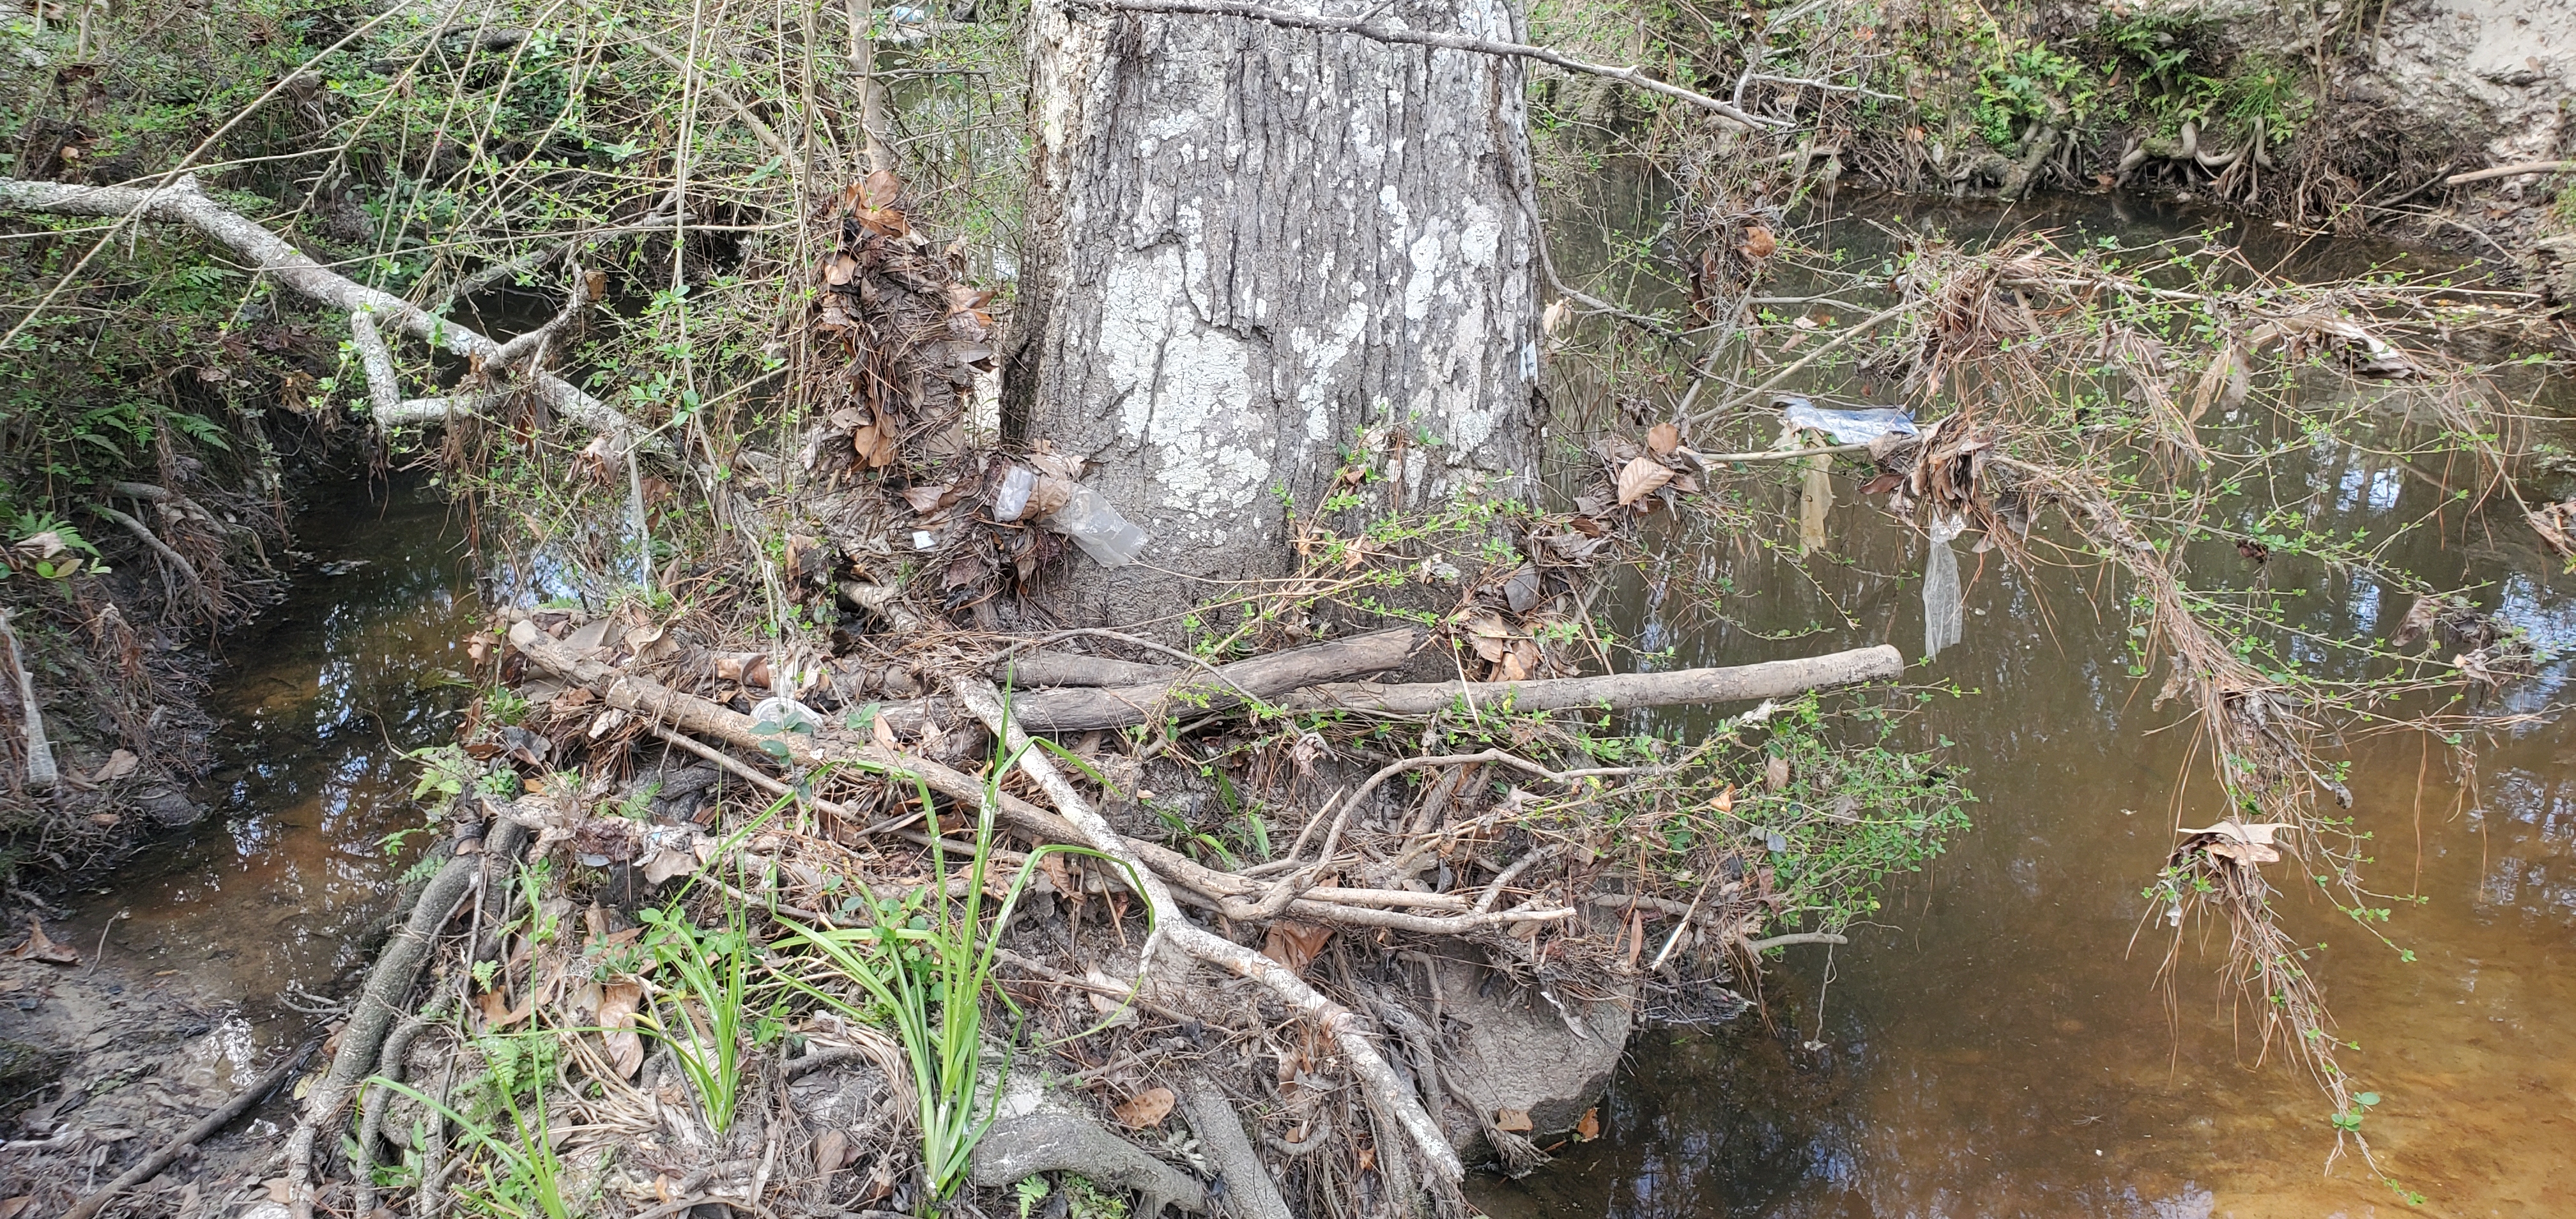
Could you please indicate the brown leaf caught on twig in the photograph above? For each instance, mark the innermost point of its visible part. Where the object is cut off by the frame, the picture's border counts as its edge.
(1662, 439)
(1641, 477)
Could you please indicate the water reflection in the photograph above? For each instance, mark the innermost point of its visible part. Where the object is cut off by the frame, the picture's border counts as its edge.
(316, 704)
(2001, 1046)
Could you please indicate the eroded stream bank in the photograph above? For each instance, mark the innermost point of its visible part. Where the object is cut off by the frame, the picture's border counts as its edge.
(2056, 1083)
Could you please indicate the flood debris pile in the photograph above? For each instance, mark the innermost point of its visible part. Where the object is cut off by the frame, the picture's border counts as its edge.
(1316, 960)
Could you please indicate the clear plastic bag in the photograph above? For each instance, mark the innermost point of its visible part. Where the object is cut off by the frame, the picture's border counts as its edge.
(1943, 615)
(1856, 426)
(1012, 498)
(1095, 525)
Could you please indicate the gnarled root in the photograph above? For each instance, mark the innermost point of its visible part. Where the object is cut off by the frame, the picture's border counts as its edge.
(395, 971)
(1250, 1192)
(1018, 1147)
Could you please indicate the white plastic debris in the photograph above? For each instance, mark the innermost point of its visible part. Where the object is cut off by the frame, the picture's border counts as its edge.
(1095, 525)
(1941, 617)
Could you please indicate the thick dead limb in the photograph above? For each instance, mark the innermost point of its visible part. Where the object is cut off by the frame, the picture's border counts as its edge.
(1338, 1022)
(1065, 669)
(396, 969)
(1614, 692)
(182, 203)
(206, 1128)
(1450, 42)
(2511, 171)
(1261, 678)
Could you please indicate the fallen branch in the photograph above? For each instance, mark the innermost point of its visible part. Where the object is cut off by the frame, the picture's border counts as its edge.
(206, 1128)
(1449, 42)
(182, 203)
(1613, 692)
(1337, 1022)
(2511, 171)
(1219, 891)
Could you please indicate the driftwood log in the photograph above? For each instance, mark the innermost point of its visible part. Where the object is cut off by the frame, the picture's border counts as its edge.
(1312, 679)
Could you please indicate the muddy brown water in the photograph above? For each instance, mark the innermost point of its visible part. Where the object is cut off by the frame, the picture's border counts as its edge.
(281, 890)
(1999, 1042)
(1995, 1044)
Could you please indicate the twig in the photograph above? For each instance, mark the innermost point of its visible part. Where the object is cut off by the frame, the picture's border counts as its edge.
(1452, 42)
(2511, 171)
(1827, 86)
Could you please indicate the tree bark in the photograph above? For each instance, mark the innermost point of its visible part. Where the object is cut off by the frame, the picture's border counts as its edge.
(1252, 248)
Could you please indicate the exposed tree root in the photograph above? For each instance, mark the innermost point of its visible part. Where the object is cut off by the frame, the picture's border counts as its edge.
(1019, 1147)
(396, 969)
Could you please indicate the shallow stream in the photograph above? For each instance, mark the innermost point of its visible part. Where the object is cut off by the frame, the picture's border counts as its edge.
(1997, 1044)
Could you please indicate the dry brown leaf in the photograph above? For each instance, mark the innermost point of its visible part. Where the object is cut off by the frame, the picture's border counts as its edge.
(831, 1150)
(879, 189)
(1145, 1109)
(118, 765)
(1662, 439)
(11, 1208)
(883, 732)
(1295, 944)
(1725, 801)
(665, 864)
(1775, 773)
(1589, 1128)
(1640, 478)
(926, 499)
(1758, 242)
(1512, 1121)
(617, 1007)
(105, 821)
(41, 947)
(1556, 315)
(497, 1012)
(279, 1189)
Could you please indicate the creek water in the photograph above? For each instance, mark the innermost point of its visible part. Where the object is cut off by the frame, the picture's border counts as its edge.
(2000, 1042)
(276, 894)
(1995, 1044)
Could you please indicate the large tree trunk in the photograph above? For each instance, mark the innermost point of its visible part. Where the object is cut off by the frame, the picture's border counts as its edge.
(1252, 248)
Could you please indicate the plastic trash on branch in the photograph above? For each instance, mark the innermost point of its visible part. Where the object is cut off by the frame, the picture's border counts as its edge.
(1061, 505)
(1859, 425)
(1942, 615)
